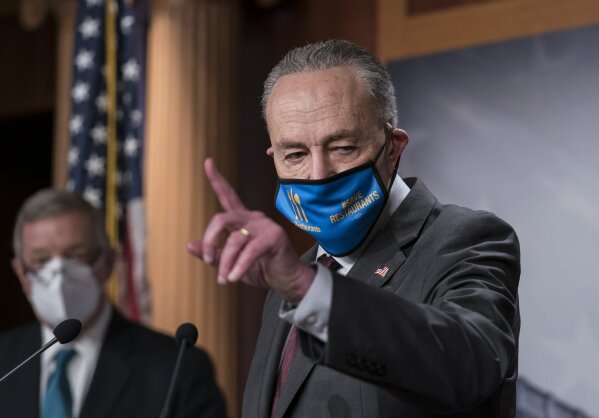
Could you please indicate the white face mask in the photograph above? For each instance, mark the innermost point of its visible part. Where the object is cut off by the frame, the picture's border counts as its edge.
(64, 289)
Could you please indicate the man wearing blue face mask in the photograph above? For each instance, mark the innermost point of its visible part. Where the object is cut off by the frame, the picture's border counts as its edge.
(406, 307)
(115, 368)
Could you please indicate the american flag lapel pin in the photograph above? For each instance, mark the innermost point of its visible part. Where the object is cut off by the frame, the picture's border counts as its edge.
(382, 271)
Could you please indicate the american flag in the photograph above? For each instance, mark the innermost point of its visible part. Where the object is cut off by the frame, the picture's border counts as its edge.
(105, 161)
(382, 271)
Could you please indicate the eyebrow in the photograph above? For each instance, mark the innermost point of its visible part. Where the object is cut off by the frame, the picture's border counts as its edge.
(39, 252)
(341, 134)
(77, 247)
(45, 251)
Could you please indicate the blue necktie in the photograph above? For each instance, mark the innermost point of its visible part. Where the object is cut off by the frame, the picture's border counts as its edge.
(58, 401)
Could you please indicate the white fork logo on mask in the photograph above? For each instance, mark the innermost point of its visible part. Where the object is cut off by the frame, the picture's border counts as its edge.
(64, 289)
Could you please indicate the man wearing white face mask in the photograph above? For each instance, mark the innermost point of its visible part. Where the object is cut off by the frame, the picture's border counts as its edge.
(64, 288)
(115, 367)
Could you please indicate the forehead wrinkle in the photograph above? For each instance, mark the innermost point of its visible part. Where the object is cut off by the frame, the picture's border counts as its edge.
(330, 94)
(338, 110)
(290, 111)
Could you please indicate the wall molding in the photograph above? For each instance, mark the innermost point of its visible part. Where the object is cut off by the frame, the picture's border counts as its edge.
(400, 35)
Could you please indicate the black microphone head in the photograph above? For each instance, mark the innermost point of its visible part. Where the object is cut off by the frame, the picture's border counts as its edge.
(67, 330)
(187, 332)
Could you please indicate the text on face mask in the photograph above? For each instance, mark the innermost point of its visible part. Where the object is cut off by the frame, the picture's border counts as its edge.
(356, 206)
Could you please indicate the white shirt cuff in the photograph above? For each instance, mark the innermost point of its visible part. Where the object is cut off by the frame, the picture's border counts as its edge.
(313, 312)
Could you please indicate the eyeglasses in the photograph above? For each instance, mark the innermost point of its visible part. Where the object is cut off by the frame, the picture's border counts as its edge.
(89, 258)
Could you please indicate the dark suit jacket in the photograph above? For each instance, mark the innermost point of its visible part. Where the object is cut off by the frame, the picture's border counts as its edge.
(436, 336)
(131, 378)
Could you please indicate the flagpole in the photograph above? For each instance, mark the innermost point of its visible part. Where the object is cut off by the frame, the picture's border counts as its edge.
(111, 144)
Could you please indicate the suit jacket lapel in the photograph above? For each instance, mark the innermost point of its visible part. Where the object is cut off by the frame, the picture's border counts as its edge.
(382, 262)
(386, 252)
(310, 255)
(112, 371)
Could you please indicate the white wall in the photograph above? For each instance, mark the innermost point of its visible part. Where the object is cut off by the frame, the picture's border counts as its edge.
(514, 128)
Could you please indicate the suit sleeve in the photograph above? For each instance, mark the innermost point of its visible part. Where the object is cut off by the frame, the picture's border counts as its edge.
(449, 348)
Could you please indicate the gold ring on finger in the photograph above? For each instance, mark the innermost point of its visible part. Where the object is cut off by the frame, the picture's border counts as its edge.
(245, 232)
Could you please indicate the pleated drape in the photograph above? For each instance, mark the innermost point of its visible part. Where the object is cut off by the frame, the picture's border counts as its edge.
(190, 116)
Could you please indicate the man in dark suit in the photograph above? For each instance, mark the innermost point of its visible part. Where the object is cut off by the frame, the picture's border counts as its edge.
(115, 368)
(416, 312)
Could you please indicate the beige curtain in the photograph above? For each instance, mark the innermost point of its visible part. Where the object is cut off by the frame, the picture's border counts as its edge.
(191, 115)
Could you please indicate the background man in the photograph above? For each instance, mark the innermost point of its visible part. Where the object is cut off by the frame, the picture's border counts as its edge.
(115, 368)
(416, 315)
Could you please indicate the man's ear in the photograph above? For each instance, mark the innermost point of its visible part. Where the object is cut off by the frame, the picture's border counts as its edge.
(270, 152)
(399, 141)
(17, 267)
(106, 267)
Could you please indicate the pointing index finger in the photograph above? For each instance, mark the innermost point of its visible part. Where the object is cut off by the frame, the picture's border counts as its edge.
(224, 191)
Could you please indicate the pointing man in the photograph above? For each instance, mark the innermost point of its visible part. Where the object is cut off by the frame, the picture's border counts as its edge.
(412, 307)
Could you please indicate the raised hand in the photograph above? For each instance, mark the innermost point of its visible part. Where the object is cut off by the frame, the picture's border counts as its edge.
(256, 249)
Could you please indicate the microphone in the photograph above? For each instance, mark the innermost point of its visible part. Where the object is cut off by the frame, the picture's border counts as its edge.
(187, 333)
(186, 336)
(67, 331)
(64, 332)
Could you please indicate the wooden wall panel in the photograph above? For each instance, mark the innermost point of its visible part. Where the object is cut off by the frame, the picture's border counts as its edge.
(424, 6)
(27, 72)
(401, 35)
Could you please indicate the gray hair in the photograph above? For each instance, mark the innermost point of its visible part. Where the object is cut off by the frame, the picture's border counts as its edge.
(47, 203)
(339, 53)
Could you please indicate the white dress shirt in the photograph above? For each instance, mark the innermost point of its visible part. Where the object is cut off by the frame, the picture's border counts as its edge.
(313, 312)
(80, 369)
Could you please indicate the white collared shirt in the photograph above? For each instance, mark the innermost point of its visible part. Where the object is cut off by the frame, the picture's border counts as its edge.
(80, 369)
(313, 312)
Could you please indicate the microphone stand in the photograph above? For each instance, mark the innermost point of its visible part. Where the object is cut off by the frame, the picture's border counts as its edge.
(64, 332)
(37, 353)
(167, 404)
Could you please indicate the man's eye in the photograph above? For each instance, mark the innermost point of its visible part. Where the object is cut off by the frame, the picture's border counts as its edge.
(344, 150)
(39, 262)
(295, 156)
(78, 257)
(85, 257)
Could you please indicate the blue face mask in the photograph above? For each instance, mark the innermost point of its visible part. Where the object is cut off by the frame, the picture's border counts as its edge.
(338, 211)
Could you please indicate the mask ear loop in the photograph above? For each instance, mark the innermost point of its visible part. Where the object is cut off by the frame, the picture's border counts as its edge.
(388, 132)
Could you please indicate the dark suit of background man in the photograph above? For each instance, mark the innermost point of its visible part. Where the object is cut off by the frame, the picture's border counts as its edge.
(120, 369)
(417, 313)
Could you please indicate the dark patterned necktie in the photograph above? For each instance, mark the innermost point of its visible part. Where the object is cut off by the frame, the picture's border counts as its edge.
(290, 350)
(329, 262)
